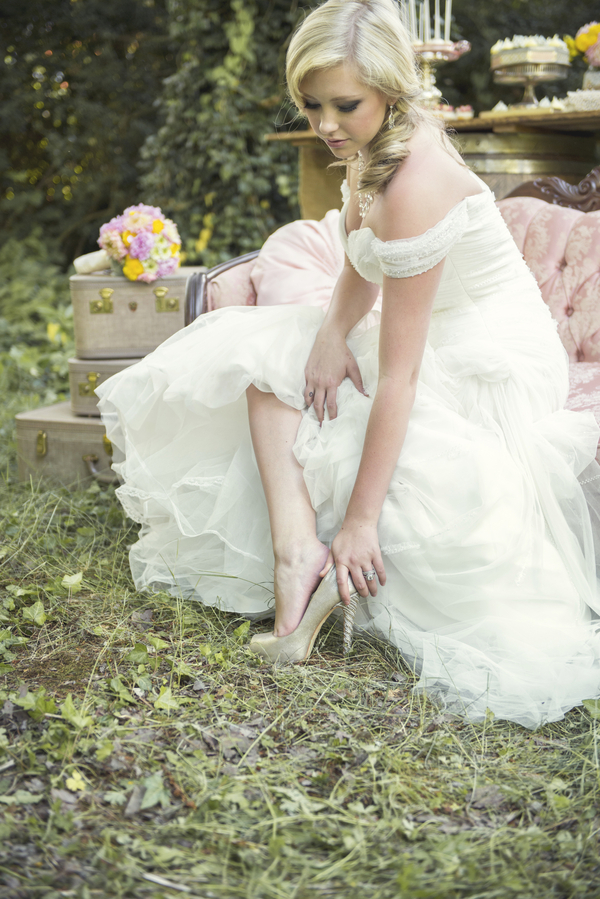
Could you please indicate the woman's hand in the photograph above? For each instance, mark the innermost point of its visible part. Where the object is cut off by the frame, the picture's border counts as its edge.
(330, 361)
(355, 550)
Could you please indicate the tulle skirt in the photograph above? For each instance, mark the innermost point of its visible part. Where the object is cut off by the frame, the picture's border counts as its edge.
(486, 533)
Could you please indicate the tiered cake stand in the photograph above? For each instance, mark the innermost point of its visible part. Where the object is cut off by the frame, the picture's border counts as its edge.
(529, 66)
(433, 54)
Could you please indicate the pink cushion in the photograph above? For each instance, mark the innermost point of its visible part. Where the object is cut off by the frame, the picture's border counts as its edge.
(232, 288)
(300, 263)
(562, 248)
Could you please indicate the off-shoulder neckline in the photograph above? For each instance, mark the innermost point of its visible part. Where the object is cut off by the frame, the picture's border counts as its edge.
(486, 192)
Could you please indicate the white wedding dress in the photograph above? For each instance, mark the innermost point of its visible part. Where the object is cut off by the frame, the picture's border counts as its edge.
(486, 534)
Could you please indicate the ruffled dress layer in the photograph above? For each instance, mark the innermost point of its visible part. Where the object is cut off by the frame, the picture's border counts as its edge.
(486, 534)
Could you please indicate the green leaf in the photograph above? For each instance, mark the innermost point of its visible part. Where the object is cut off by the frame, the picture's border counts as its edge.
(21, 797)
(593, 707)
(138, 655)
(181, 669)
(115, 797)
(157, 642)
(36, 704)
(241, 631)
(155, 792)
(121, 690)
(103, 750)
(74, 717)
(73, 582)
(144, 682)
(35, 613)
(166, 700)
(86, 532)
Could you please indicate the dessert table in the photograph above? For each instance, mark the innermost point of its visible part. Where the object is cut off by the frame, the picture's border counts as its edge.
(505, 149)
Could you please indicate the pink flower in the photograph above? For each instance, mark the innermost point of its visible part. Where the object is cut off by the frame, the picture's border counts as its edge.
(166, 267)
(141, 246)
(147, 277)
(592, 54)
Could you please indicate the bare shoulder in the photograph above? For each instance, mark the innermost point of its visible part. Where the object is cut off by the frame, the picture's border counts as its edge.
(429, 183)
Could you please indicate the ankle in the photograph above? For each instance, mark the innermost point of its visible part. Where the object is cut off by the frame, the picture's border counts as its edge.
(297, 551)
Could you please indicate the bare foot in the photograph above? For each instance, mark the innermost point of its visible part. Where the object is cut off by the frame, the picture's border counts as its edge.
(296, 579)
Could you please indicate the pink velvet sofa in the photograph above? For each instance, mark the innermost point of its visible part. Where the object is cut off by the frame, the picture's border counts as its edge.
(300, 263)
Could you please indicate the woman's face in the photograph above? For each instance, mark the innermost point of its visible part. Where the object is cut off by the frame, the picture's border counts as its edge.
(341, 110)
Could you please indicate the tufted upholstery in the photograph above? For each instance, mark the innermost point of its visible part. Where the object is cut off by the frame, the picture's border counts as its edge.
(562, 248)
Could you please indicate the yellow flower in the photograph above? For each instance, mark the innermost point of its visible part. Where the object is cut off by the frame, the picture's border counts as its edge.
(76, 782)
(573, 51)
(127, 237)
(175, 248)
(584, 41)
(587, 39)
(157, 226)
(133, 268)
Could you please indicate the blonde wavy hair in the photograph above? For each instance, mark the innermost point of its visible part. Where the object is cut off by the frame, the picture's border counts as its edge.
(369, 35)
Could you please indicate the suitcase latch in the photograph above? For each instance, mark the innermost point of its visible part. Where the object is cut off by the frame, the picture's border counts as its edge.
(162, 303)
(86, 388)
(104, 304)
(41, 444)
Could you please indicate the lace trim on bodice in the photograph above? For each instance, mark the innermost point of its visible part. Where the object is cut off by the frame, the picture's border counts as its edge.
(409, 256)
(415, 255)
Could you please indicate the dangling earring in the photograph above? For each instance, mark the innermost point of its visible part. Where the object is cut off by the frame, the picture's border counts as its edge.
(391, 120)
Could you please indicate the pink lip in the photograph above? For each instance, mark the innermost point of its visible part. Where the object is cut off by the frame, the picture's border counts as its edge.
(336, 143)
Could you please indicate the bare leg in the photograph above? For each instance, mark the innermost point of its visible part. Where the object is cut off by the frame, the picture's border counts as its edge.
(299, 555)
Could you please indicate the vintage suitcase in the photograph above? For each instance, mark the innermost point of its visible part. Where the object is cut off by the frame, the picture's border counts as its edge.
(85, 375)
(115, 318)
(64, 448)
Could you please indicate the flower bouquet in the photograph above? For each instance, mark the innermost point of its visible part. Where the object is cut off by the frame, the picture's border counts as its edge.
(141, 243)
(586, 43)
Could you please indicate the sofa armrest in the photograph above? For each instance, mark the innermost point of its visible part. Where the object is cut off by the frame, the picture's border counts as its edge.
(227, 284)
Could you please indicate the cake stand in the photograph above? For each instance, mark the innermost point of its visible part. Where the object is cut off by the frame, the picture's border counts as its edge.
(529, 67)
(433, 54)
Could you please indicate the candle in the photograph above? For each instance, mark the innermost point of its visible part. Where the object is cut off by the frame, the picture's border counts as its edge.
(447, 20)
(437, 23)
(413, 20)
(427, 24)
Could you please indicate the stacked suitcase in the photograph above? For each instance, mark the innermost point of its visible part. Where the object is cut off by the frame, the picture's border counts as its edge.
(117, 322)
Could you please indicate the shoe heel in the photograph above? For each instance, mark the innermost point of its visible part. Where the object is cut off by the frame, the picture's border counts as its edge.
(349, 613)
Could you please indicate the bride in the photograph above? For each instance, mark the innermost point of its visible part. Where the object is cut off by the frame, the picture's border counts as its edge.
(415, 468)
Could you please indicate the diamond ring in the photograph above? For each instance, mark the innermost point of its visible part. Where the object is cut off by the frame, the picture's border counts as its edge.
(369, 575)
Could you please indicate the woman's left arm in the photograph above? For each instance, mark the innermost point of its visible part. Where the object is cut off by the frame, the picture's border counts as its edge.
(405, 317)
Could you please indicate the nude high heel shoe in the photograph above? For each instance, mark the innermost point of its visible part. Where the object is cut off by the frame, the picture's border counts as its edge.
(297, 646)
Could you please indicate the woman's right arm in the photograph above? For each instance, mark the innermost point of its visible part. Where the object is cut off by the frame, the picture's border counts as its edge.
(330, 360)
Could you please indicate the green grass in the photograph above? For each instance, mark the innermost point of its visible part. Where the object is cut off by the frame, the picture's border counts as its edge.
(145, 752)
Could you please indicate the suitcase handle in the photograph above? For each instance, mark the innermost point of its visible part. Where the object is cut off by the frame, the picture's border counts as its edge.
(104, 477)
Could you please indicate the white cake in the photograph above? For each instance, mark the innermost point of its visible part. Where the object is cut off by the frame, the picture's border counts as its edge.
(529, 49)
